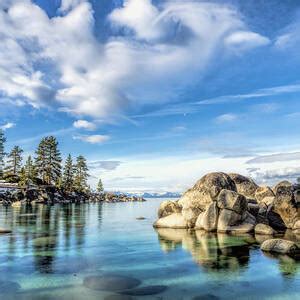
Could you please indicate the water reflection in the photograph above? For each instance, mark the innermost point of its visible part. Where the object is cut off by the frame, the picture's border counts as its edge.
(218, 252)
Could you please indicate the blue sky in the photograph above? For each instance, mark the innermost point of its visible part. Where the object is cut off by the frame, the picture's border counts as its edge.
(155, 93)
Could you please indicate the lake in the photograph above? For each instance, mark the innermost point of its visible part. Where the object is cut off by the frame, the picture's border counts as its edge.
(101, 251)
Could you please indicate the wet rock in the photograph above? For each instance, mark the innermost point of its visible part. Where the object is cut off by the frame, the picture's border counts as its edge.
(167, 208)
(171, 221)
(244, 185)
(279, 246)
(232, 201)
(146, 290)
(110, 282)
(264, 229)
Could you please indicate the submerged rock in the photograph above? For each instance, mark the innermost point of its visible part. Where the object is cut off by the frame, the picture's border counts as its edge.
(146, 290)
(110, 282)
(279, 246)
(118, 297)
(9, 286)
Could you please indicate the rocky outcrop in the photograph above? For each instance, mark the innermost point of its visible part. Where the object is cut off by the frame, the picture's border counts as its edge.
(51, 195)
(232, 204)
(279, 246)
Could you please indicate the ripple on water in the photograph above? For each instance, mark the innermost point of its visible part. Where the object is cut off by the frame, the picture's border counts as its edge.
(110, 282)
(146, 290)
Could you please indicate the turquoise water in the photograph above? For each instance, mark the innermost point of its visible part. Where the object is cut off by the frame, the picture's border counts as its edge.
(101, 251)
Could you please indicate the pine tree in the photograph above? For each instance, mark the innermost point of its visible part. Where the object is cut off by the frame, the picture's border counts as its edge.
(23, 181)
(68, 175)
(29, 169)
(81, 174)
(2, 152)
(100, 188)
(14, 162)
(48, 160)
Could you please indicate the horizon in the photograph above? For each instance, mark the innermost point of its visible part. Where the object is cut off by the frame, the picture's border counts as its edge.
(155, 94)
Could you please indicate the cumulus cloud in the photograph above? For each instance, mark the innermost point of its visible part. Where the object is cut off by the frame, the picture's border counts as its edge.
(83, 124)
(151, 45)
(107, 165)
(274, 158)
(92, 139)
(8, 125)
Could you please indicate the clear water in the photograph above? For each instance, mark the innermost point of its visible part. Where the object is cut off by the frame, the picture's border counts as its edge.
(53, 249)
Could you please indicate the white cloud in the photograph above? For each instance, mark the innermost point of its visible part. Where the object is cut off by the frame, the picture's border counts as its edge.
(245, 40)
(8, 125)
(92, 139)
(226, 118)
(83, 124)
(271, 158)
(164, 45)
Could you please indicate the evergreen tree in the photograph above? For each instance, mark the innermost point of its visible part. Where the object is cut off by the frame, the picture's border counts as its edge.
(23, 180)
(14, 162)
(68, 175)
(2, 152)
(100, 188)
(81, 174)
(29, 170)
(48, 160)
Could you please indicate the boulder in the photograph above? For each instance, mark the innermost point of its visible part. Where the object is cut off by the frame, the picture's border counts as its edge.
(232, 201)
(249, 218)
(244, 185)
(262, 193)
(275, 221)
(285, 205)
(167, 208)
(202, 194)
(228, 218)
(208, 220)
(264, 229)
(175, 220)
(279, 246)
(282, 184)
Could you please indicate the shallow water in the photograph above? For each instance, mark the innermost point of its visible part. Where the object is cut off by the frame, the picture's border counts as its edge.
(101, 251)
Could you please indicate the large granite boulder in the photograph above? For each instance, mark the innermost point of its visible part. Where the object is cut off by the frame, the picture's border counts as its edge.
(285, 205)
(167, 208)
(282, 184)
(208, 220)
(232, 201)
(279, 246)
(244, 185)
(264, 194)
(202, 194)
(175, 220)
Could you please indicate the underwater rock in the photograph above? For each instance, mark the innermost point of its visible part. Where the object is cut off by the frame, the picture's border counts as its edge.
(110, 282)
(9, 287)
(146, 290)
(206, 297)
(118, 297)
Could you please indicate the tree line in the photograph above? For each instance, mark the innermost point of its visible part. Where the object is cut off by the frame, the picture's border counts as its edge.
(45, 168)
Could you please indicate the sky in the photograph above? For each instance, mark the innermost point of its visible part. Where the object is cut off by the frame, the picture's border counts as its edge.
(155, 93)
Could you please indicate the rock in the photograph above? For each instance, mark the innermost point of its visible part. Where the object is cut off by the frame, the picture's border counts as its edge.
(171, 221)
(264, 192)
(110, 282)
(264, 229)
(275, 221)
(283, 184)
(296, 225)
(206, 190)
(238, 229)
(285, 204)
(249, 218)
(16, 204)
(233, 201)
(4, 230)
(167, 208)
(279, 246)
(146, 290)
(9, 287)
(191, 215)
(253, 209)
(244, 185)
(209, 219)
(140, 218)
(228, 218)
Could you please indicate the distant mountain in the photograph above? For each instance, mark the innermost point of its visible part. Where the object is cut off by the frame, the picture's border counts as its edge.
(154, 194)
